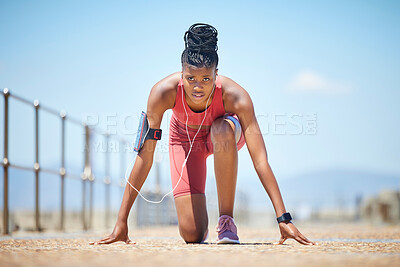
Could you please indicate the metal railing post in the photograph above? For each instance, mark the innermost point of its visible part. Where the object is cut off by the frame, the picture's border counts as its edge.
(86, 174)
(62, 169)
(91, 182)
(37, 166)
(83, 202)
(107, 181)
(5, 163)
(122, 165)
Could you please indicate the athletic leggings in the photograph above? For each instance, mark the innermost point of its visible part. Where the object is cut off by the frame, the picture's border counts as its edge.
(193, 179)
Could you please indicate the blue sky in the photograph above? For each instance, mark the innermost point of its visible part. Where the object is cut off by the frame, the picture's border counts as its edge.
(336, 62)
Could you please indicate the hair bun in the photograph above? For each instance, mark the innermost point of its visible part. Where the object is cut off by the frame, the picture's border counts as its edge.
(201, 36)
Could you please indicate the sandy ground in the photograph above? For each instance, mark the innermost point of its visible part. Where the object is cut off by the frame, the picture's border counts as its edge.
(338, 245)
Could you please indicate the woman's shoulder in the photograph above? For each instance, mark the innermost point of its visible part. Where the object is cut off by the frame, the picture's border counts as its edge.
(233, 94)
(165, 89)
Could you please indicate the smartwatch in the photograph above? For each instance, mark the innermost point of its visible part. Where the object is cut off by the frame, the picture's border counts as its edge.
(284, 218)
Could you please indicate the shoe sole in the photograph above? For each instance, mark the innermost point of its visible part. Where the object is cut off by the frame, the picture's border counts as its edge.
(226, 240)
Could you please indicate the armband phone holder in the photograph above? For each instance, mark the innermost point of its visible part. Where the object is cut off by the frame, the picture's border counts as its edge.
(145, 132)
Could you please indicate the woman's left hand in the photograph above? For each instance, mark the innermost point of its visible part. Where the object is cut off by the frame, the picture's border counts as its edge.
(288, 230)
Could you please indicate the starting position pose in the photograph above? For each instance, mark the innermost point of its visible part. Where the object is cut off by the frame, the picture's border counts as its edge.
(212, 114)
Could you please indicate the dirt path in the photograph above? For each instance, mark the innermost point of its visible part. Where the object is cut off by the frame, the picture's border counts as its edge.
(349, 245)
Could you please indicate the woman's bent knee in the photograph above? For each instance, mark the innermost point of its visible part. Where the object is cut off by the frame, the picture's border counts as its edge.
(222, 131)
(191, 234)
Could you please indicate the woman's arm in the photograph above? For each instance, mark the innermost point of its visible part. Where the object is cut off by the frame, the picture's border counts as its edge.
(144, 159)
(160, 99)
(258, 153)
(242, 106)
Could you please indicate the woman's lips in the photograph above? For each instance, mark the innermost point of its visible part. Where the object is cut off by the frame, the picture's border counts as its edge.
(197, 96)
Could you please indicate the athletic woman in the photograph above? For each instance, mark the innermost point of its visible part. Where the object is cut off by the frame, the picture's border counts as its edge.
(212, 114)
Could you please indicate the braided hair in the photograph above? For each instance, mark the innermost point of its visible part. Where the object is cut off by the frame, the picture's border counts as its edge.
(200, 46)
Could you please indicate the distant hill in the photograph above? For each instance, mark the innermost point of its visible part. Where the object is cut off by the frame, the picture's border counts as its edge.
(336, 187)
(327, 188)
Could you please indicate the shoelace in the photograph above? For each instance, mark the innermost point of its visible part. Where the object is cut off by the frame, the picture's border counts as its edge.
(226, 224)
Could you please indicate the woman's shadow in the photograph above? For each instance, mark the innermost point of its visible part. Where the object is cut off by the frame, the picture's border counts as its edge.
(244, 244)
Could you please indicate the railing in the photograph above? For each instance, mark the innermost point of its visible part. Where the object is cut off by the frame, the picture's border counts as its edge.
(86, 176)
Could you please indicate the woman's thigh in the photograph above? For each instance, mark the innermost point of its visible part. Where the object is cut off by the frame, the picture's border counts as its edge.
(190, 177)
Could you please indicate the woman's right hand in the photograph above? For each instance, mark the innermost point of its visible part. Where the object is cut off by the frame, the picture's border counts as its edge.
(120, 233)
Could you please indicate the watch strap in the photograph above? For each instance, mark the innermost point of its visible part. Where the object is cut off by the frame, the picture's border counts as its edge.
(286, 217)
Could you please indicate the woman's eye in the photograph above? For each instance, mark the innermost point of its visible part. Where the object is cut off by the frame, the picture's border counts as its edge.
(190, 78)
(206, 79)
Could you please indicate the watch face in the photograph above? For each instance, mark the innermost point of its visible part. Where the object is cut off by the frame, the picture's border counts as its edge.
(285, 217)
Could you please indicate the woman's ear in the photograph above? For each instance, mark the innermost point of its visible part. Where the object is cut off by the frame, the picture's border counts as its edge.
(216, 72)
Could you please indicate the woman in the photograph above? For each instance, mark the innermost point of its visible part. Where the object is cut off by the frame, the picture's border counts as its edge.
(211, 115)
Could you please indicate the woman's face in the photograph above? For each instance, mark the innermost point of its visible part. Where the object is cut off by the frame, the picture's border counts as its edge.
(198, 83)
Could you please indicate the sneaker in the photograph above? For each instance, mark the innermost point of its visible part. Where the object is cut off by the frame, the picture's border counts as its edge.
(227, 231)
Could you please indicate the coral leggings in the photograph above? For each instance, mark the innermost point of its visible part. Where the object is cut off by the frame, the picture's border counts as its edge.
(193, 179)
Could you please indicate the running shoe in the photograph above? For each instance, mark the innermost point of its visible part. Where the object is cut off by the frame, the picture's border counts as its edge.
(227, 231)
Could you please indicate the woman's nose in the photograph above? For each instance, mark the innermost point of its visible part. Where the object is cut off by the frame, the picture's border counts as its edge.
(197, 85)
